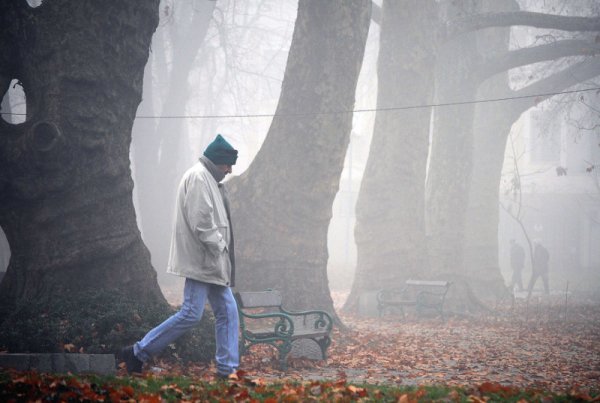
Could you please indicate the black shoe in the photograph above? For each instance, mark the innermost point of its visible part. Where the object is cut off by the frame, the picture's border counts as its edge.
(227, 377)
(132, 363)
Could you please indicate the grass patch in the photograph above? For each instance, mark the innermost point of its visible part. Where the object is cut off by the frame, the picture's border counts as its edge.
(31, 386)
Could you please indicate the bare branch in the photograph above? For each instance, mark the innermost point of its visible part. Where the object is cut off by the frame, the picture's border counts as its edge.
(560, 81)
(525, 56)
(376, 13)
(525, 18)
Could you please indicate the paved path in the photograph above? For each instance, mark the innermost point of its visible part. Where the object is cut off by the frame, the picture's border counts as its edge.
(103, 364)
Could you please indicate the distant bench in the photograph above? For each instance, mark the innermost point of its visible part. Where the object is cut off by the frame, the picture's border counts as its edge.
(264, 320)
(418, 293)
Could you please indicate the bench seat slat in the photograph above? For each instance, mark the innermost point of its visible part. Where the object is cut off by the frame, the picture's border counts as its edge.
(419, 293)
(298, 333)
(427, 283)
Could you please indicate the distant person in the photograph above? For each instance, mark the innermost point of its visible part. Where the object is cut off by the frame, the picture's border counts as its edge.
(517, 262)
(202, 252)
(540, 267)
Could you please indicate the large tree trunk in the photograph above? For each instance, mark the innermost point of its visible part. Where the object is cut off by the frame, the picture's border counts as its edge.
(282, 205)
(455, 246)
(450, 164)
(489, 127)
(457, 192)
(481, 229)
(481, 265)
(390, 229)
(65, 181)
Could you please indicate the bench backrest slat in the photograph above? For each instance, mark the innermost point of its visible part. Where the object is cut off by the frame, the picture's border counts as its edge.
(427, 283)
(259, 299)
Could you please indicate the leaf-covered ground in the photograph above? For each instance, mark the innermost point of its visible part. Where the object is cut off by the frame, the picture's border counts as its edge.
(528, 346)
(531, 352)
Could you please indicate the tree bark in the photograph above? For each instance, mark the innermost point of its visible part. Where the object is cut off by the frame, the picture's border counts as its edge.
(480, 251)
(5, 108)
(491, 126)
(454, 250)
(282, 205)
(65, 181)
(390, 228)
(450, 163)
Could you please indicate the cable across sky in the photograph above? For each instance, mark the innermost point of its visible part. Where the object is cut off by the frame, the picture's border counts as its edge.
(379, 109)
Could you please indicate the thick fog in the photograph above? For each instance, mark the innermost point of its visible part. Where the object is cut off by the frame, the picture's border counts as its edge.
(218, 67)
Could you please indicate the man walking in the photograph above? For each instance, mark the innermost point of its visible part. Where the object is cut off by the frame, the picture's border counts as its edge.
(202, 252)
(540, 267)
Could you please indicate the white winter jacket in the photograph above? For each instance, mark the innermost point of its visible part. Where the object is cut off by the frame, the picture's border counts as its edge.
(201, 230)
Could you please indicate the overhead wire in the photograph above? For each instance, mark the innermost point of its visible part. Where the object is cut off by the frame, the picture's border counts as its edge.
(367, 110)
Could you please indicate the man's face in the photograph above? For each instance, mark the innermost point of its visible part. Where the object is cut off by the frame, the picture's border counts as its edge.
(226, 169)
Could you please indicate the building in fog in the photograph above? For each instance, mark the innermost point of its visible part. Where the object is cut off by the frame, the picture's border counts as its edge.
(560, 183)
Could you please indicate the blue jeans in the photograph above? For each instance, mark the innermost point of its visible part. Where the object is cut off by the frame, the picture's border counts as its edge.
(226, 325)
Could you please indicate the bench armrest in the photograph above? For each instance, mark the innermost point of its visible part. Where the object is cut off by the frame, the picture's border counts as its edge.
(318, 319)
(284, 327)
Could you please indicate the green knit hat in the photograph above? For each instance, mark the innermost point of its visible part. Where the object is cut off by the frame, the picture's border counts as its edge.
(220, 152)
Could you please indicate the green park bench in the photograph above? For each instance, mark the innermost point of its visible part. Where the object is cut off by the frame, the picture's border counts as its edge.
(264, 321)
(421, 294)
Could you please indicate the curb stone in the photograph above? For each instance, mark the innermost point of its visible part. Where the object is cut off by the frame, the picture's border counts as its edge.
(103, 364)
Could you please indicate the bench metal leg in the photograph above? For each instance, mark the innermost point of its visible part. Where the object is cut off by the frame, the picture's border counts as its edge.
(284, 349)
(324, 343)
